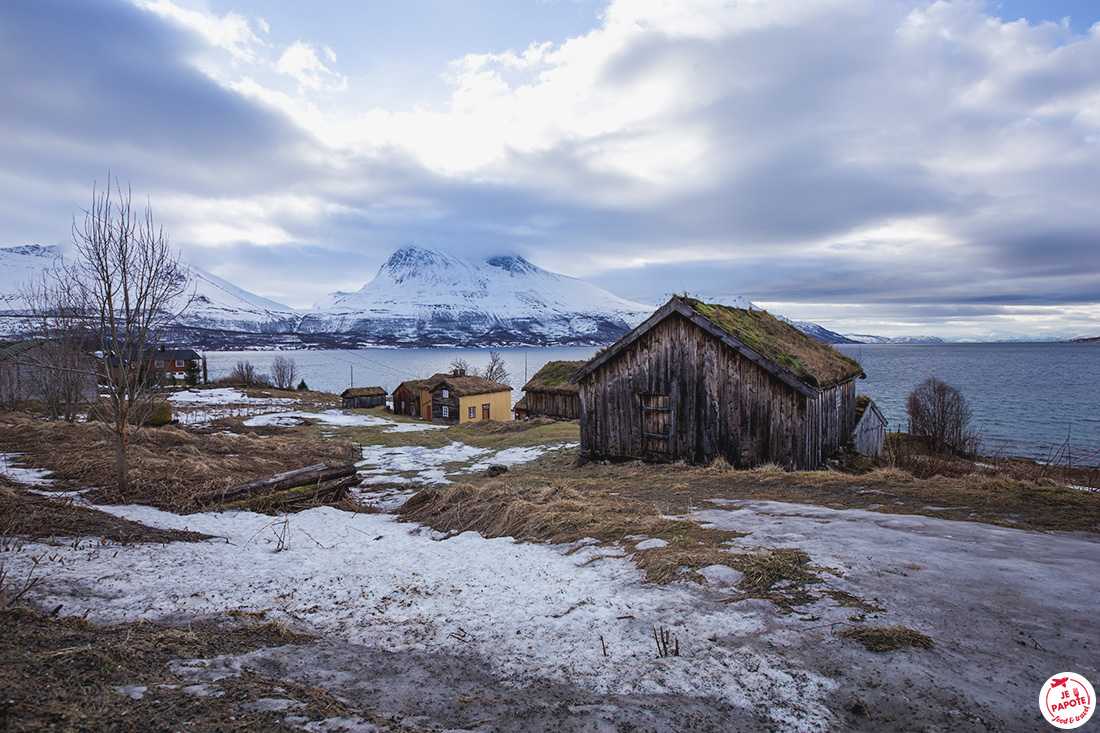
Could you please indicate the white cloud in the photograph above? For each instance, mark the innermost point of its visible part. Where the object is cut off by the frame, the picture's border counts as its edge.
(231, 32)
(301, 62)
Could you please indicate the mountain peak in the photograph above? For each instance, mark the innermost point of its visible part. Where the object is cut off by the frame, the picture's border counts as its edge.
(512, 263)
(427, 296)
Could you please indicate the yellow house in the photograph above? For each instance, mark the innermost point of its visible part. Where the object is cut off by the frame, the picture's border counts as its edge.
(457, 398)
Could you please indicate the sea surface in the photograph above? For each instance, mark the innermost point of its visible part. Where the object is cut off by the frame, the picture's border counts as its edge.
(1027, 399)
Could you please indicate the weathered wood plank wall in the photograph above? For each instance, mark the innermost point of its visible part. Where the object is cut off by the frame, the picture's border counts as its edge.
(553, 404)
(719, 404)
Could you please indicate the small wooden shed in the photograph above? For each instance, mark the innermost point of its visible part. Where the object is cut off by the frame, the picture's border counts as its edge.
(364, 397)
(698, 381)
(550, 394)
(870, 427)
(406, 398)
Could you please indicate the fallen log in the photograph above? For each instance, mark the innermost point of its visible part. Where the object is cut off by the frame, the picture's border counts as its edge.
(310, 475)
(297, 498)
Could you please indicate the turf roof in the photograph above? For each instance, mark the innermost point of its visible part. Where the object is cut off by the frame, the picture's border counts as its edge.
(781, 343)
(554, 377)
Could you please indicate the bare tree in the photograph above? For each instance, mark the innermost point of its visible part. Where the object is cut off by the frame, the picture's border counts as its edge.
(460, 365)
(244, 373)
(59, 371)
(129, 287)
(283, 372)
(495, 370)
(941, 414)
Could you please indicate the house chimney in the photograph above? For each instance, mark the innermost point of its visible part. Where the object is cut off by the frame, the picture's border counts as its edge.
(459, 373)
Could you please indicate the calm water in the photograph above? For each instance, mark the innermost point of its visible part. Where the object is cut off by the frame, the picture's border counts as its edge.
(1026, 398)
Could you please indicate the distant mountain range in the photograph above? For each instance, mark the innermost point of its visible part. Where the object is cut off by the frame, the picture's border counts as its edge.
(420, 297)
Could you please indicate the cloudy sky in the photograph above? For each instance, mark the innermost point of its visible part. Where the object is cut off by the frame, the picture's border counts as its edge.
(879, 166)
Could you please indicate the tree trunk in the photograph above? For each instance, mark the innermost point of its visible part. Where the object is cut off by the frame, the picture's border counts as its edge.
(314, 474)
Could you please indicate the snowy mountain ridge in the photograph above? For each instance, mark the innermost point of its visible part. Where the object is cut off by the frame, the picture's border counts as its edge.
(425, 296)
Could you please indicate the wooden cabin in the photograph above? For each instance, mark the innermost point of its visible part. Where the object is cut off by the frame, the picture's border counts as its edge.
(363, 397)
(456, 398)
(870, 431)
(406, 398)
(550, 394)
(160, 364)
(696, 382)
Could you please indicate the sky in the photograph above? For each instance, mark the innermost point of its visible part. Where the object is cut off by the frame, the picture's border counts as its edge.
(893, 167)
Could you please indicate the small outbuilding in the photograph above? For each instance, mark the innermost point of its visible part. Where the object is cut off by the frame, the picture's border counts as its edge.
(870, 427)
(361, 397)
(550, 394)
(406, 398)
(697, 382)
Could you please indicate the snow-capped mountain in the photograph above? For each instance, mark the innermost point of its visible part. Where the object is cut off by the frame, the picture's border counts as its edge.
(861, 338)
(428, 297)
(216, 305)
(221, 305)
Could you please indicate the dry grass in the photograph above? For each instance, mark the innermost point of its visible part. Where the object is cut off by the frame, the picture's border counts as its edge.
(168, 466)
(888, 638)
(61, 674)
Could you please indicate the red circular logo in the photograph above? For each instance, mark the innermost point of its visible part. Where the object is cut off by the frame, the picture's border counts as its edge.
(1067, 700)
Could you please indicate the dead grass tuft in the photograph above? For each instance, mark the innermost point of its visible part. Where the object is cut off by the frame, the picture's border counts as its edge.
(168, 466)
(888, 638)
(765, 569)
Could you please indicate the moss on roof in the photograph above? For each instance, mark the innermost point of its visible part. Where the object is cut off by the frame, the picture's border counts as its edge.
(808, 360)
(364, 392)
(554, 378)
(468, 385)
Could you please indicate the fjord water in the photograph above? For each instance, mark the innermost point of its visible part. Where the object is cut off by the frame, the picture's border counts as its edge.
(1027, 398)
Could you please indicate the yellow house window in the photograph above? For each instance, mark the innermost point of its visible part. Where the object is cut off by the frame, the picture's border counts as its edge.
(473, 412)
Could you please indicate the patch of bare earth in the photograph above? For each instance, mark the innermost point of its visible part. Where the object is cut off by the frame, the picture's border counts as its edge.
(65, 674)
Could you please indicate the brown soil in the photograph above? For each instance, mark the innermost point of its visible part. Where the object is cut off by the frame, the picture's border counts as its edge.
(62, 674)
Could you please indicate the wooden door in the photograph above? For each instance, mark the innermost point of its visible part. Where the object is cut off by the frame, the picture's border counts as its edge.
(657, 426)
(485, 412)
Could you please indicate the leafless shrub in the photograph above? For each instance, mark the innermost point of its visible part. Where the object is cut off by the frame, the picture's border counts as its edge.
(283, 373)
(940, 414)
(246, 375)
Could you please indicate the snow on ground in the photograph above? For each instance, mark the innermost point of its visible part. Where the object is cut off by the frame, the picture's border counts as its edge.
(339, 418)
(515, 456)
(531, 611)
(380, 462)
(22, 474)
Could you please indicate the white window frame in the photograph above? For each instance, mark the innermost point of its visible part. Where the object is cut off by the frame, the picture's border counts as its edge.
(160, 363)
(444, 395)
(179, 363)
(473, 412)
(446, 411)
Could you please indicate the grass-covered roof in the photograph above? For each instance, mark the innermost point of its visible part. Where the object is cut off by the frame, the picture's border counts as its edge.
(781, 343)
(364, 392)
(554, 378)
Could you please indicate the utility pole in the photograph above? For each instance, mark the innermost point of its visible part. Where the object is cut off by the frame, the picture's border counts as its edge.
(352, 367)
